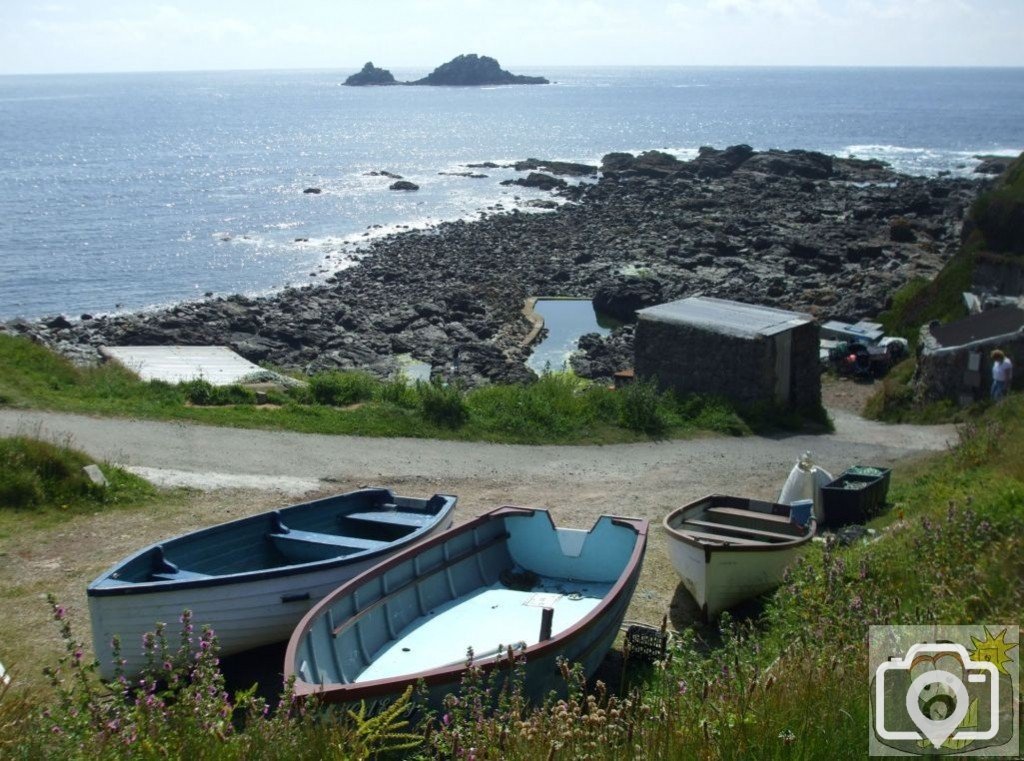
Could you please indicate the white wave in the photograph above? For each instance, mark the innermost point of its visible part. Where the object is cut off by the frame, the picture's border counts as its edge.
(927, 162)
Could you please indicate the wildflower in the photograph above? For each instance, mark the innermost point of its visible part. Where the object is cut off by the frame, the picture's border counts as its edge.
(856, 603)
(787, 737)
(683, 687)
(77, 655)
(59, 612)
(446, 719)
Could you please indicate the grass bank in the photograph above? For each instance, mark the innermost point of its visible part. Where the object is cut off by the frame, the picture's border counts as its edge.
(787, 684)
(993, 231)
(557, 409)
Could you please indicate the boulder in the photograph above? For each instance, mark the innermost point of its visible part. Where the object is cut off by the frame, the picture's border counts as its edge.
(993, 164)
(312, 191)
(622, 297)
(809, 165)
(567, 168)
(403, 185)
(60, 322)
(537, 180)
(656, 164)
(714, 163)
(617, 162)
(901, 231)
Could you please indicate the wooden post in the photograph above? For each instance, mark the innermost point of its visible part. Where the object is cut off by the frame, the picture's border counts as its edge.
(546, 617)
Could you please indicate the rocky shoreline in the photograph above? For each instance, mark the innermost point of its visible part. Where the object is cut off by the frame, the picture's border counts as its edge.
(799, 230)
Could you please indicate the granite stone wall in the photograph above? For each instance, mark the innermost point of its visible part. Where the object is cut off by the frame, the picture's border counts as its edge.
(945, 372)
(1000, 275)
(693, 360)
(805, 381)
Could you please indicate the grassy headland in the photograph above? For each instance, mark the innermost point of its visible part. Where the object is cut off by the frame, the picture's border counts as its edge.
(786, 684)
(994, 231)
(556, 409)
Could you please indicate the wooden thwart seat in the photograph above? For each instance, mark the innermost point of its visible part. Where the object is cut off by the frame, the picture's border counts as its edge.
(327, 540)
(179, 575)
(393, 517)
(736, 512)
(721, 538)
(743, 530)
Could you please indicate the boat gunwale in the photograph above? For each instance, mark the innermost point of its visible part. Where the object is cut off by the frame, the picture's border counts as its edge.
(348, 692)
(263, 574)
(810, 529)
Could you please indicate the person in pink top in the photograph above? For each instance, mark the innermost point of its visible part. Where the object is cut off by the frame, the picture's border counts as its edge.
(1002, 374)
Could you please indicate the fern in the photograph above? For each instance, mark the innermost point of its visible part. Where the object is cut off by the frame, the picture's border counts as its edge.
(383, 732)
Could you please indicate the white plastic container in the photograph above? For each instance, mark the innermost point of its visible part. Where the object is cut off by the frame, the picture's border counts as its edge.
(805, 482)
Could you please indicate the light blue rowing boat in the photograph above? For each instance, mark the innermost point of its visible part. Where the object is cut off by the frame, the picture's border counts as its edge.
(252, 579)
(509, 579)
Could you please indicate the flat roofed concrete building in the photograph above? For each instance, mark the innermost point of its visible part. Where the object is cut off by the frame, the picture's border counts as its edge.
(747, 353)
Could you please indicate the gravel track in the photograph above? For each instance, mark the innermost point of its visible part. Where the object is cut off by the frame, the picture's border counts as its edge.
(704, 464)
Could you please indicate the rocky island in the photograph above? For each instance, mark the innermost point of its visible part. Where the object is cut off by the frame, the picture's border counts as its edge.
(793, 229)
(369, 76)
(470, 70)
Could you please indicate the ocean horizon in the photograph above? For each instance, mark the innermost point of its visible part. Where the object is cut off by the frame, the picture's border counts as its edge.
(121, 192)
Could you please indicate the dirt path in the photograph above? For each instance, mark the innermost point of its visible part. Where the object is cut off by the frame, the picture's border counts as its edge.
(251, 471)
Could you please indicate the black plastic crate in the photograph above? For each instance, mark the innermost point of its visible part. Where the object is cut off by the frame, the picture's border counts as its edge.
(843, 505)
(646, 643)
(884, 473)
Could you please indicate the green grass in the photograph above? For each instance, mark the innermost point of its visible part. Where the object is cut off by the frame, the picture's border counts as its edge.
(999, 214)
(920, 301)
(786, 684)
(41, 476)
(556, 409)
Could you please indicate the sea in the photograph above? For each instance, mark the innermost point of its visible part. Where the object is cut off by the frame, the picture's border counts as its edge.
(121, 192)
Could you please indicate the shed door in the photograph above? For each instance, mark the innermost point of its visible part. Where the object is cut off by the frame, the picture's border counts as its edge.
(783, 366)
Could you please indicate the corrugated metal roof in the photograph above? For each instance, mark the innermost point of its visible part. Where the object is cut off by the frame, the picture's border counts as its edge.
(724, 316)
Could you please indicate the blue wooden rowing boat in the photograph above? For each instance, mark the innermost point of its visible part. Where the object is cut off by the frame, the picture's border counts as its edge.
(509, 579)
(252, 579)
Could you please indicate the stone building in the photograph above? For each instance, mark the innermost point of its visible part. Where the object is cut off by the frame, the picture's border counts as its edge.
(954, 362)
(749, 354)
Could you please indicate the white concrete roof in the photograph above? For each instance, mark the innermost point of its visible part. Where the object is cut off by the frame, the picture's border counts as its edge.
(723, 316)
(216, 364)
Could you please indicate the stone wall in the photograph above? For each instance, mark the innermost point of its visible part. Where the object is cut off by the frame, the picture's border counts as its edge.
(805, 382)
(1001, 275)
(944, 372)
(692, 360)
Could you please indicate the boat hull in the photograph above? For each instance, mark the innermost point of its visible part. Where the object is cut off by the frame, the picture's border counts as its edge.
(721, 580)
(748, 558)
(412, 618)
(244, 610)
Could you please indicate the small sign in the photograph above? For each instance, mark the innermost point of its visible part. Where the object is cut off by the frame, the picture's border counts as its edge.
(543, 600)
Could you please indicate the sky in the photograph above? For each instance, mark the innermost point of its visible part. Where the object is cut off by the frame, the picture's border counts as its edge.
(74, 36)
